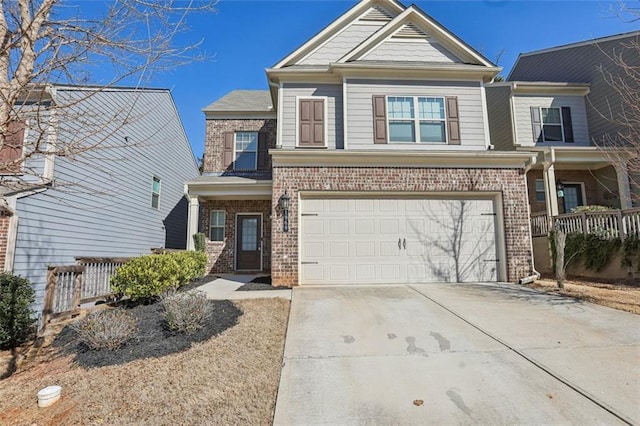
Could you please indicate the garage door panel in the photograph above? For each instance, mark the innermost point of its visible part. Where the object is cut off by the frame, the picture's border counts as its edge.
(365, 249)
(339, 249)
(365, 227)
(366, 273)
(390, 226)
(313, 226)
(390, 273)
(339, 227)
(339, 273)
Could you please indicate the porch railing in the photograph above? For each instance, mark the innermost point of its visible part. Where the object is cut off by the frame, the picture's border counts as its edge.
(97, 275)
(607, 224)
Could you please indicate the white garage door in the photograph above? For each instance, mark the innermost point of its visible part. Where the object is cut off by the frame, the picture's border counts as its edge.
(397, 240)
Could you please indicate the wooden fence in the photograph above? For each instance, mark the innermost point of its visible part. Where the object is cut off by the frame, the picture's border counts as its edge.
(97, 275)
(607, 224)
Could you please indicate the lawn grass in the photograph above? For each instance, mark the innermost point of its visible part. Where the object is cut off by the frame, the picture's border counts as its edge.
(231, 378)
(617, 296)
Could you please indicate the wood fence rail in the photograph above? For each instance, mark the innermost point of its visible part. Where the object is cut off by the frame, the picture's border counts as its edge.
(610, 224)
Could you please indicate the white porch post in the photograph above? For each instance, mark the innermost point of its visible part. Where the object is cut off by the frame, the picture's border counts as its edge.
(549, 175)
(192, 224)
(624, 187)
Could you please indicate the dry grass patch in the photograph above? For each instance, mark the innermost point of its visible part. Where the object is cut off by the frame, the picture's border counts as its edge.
(229, 379)
(617, 296)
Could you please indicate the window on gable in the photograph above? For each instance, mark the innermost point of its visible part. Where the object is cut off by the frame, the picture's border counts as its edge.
(428, 125)
(551, 124)
(540, 190)
(246, 151)
(155, 193)
(216, 225)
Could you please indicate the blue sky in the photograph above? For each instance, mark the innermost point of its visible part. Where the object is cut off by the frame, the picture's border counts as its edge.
(245, 37)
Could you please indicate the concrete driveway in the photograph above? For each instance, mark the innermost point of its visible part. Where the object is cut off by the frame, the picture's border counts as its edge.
(456, 354)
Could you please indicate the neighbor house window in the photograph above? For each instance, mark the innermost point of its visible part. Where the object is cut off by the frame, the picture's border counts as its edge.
(540, 190)
(551, 124)
(246, 151)
(155, 193)
(427, 125)
(216, 225)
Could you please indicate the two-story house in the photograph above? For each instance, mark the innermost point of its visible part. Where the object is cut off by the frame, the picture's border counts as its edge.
(559, 103)
(368, 160)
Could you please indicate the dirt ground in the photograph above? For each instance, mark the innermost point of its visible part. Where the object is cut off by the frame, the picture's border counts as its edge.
(617, 296)
(231, 378)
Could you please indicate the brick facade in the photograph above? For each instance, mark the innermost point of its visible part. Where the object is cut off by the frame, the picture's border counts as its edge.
(509, 182)
(214, 140)
(4, 234)
(222, 254)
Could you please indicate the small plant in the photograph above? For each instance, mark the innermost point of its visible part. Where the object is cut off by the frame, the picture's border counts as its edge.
(16, 320)
(199, 241)
(186, 312)
(631, 251)
(108, 329)
(592, 208)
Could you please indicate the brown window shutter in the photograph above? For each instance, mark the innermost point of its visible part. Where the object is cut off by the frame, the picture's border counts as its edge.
(536, 122)
(229, 138)
(453, 120)
(567, 124)
(379, 119)
(12, 148)
(318, 123)
(311, 123)
(305, 123)
(263, 151)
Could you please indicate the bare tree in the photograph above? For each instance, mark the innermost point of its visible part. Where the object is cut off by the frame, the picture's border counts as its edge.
(44, 43)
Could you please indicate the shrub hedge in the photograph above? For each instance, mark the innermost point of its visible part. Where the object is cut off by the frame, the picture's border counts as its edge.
(16, 320)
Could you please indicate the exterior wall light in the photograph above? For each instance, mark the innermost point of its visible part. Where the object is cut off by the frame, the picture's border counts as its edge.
(560, 189)
(284, 205)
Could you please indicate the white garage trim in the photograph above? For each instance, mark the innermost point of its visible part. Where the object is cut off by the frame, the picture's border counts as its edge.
(494, 196)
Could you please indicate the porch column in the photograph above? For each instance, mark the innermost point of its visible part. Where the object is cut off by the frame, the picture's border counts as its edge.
(551, 193)
(193, 219)
(624, 187)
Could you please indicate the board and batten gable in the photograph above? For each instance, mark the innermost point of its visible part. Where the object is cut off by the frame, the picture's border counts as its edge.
(359, 106)
(100, 204)
(500, 120)
(291, 94)
(523, 123)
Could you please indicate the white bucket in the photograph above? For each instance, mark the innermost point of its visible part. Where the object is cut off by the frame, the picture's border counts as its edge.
(48, 396)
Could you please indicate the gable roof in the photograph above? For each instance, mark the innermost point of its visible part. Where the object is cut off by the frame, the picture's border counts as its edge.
(341, 22)
(242, 101)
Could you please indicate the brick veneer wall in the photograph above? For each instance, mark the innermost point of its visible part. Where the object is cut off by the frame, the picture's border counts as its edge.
(510, 182)
(214, 139)
(222, 254)
(4, 234)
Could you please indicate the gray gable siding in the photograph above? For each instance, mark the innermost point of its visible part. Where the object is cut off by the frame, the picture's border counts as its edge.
(582, 64)
(342, 43)
(360, 111)
(524, 128)
(333, 92)
(101, 204)
(411, 51)
(499, 112)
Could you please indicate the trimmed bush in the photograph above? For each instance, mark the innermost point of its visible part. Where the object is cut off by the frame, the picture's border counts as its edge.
(16, 320)
(108, 329)
(186, 312)
(592, 208)
(153, 275)
(199, 241)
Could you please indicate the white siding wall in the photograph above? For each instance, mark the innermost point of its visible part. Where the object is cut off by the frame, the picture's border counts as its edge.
(524, 129)
(360, 111)
(334, 119)
(342, 43)
(101, 205)
(411, 51)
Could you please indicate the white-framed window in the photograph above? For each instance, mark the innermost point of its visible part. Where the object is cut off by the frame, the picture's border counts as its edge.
(216, 225)
(426, 124)
(540, 190)
(551, 120)
(246, 151)
(155, 192)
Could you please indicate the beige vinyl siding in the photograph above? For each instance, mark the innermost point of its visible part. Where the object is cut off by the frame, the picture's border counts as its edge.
(584, 64)
(360, 111)
(333, 93)
(342, 43)
(499, 112)
(524, 129)
(411, 51)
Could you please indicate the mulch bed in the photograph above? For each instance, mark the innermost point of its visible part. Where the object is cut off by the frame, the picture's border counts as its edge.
(153, 339)
(260, 284)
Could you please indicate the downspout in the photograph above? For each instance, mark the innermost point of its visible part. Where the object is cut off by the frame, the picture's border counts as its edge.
(536, 275)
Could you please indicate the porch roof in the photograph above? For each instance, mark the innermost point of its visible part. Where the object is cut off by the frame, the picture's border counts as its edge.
(579, 157)
(230, 188)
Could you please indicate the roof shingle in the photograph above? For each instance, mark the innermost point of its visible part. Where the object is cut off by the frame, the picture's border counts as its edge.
(242, 100)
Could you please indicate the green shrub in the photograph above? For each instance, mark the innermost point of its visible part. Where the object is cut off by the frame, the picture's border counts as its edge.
(108, 329)
(16, 320)
(592, 250)
(186, 312)
(592, 208)
(153, 275)
(199, 241)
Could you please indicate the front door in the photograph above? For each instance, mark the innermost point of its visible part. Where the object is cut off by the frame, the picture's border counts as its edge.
(249, 242)
(572, 197)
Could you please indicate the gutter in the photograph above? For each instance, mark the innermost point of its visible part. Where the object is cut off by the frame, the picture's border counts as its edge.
(536, 275)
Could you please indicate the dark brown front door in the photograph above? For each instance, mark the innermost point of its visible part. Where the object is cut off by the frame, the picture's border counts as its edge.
(248, 250)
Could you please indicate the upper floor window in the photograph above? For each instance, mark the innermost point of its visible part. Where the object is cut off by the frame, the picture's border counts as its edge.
(246, 151)
(155, 193)
(427, 123)
(552, 124)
